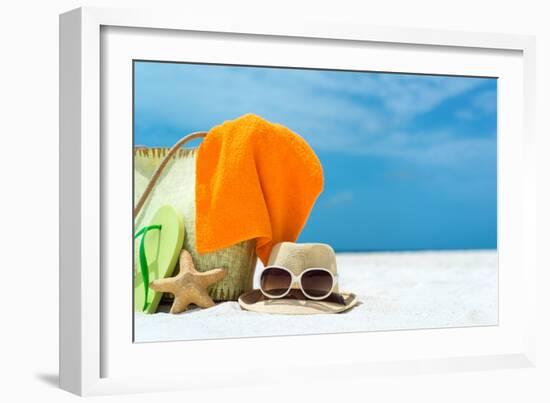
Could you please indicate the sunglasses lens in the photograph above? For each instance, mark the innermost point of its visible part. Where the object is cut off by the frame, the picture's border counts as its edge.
(275, 281)
(317, 283)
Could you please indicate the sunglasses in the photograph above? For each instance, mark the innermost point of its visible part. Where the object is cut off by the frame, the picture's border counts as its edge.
(315, 283)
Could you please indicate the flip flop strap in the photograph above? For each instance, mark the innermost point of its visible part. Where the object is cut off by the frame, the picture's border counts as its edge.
(143, 259)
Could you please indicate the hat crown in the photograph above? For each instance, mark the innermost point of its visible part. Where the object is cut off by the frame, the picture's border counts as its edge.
(299, 257)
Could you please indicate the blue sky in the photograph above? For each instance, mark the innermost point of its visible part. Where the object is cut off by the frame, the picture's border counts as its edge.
(409, 160)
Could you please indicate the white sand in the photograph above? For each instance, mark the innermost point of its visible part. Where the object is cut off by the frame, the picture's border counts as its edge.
(397, 291)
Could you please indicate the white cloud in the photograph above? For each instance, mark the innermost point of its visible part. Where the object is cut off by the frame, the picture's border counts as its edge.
(339, 198)
(435, 148)
(350, 112)
(486, 101)
(482, 104)
(465, 114)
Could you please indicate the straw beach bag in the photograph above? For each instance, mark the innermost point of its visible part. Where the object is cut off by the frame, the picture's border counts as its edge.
(165, 176)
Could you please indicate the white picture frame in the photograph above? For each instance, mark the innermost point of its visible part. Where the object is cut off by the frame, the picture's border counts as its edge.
(96, 355)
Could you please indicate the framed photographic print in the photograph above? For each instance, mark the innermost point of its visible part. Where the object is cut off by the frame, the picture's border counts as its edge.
(234, 190)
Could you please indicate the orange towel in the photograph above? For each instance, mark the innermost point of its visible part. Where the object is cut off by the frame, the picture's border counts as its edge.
(254, 179)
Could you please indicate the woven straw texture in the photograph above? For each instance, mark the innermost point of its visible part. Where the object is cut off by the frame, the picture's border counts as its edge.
(176, 187)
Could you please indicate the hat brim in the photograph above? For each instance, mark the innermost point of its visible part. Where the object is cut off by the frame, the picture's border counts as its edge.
(255, 301)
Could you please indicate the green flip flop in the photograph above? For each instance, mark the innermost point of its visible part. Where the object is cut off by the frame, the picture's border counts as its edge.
(159, 249)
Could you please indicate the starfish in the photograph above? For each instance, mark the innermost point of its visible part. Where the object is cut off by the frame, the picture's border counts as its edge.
(189, 286)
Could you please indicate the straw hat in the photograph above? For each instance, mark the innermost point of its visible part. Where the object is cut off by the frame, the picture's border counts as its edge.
(297, 258)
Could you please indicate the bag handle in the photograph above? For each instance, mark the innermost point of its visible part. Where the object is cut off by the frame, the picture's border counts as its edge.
(160, 168)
